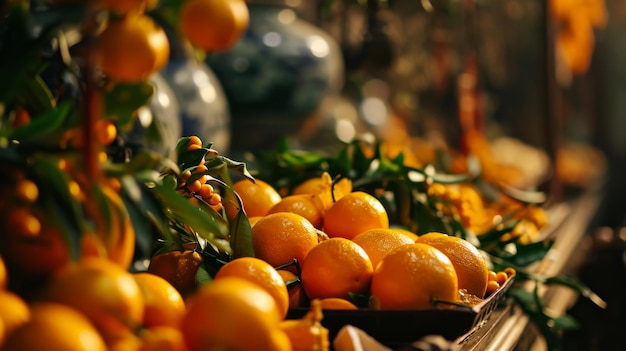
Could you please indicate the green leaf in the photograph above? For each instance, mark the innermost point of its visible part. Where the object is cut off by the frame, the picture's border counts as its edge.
(444, 178)
(191, 158)
(241, 236)
(208, 225)
(121, 103)
(36, 96)
(529, 253)
(203, 276)
(145, 211)
(549, 327)
(102, 209)
(492, 236)
(235, 166)
(43, 125)
(19, 53)
(144, 162)
(56, 183)
(577, 286)
(427, 220)
(524, 196)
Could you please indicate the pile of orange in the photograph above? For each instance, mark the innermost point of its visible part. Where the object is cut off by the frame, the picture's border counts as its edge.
(96, 304)
(335, 245)
(92, 304)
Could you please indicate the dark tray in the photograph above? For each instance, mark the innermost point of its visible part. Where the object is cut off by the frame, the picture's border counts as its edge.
(400, 327)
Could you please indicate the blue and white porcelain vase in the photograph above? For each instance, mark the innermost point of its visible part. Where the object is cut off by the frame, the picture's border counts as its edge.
(277, 75)
(204, 109)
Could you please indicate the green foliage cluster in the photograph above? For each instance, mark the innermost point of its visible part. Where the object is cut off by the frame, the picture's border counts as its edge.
(40, 77)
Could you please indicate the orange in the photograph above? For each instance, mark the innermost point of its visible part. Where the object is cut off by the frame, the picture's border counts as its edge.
(279, 238)
(132, 48)
(27, 191)
(280, 341)
(257, 198)
(297, 297)
(102, 290)
(379, 242)
(335, 268)
(307, 333)
(324, 188)
(253, 220)
(412, 277)
(261, 273)
(406, 232)
(55, 326)
(336, 303)
(214, 25)
(21, 221)
(353, 214)
(308, 206)
(125, 342)
(230, 314)
(2, 334)
(3, 274)
(179, 268)
(470, 266)
(105, 131)
(164, 305)
(32, 259)
(162, 338)
(14, 311)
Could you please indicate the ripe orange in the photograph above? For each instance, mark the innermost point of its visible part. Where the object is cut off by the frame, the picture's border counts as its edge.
(335, 268)
(308, 206)
(279, 238)
(379, 242)
(214, 25)
(14, 311)
(3, 274)
(470, 266)
(32, 259)
(261, 273)
(307, 333)
(125, 342)
(102, 290)
(55, 326)
(281, 342)
(179, 268)
(257, 197)
(132, 48)
(411, 277)
(336, 303)
(105, 131)
(353, 214)
(297, 297)
(230, 314)
(162, 338)
(406, 232)
(21, 221)
(164, 305)
(253, 220)
(324, 188)
(27, 191)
